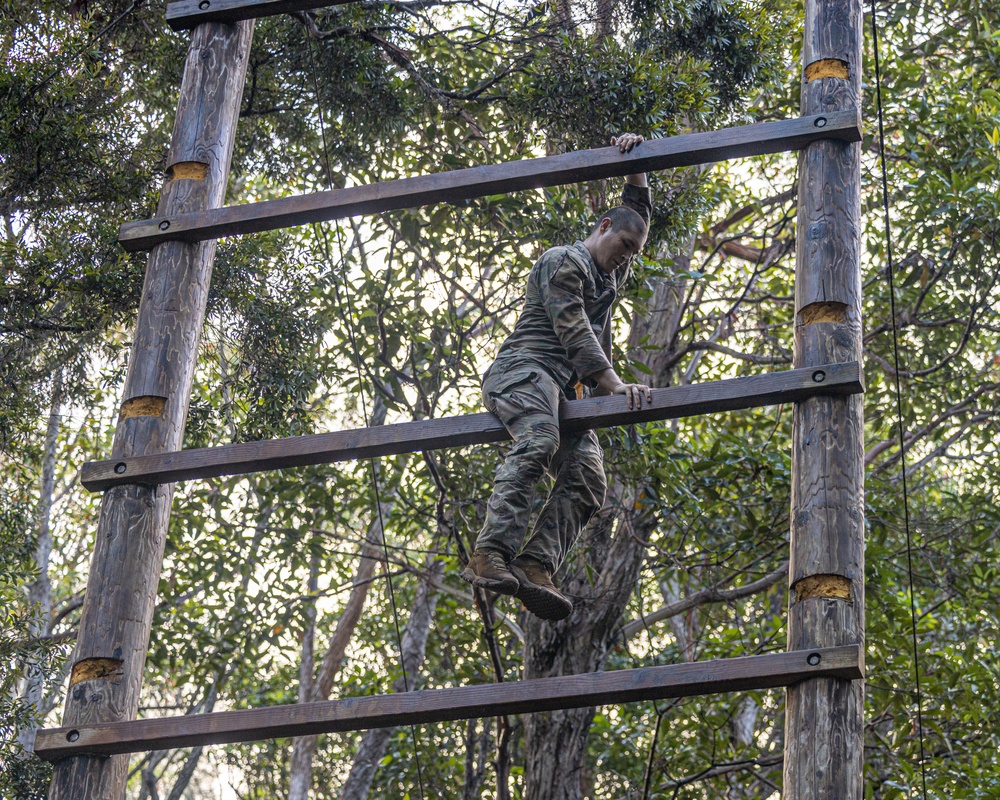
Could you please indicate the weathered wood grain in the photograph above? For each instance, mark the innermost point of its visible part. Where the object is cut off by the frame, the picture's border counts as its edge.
(121, 588)
(840, 664)
(597, 412)
(824, 719)
(827, 518)
(189, 13)
(464, 184)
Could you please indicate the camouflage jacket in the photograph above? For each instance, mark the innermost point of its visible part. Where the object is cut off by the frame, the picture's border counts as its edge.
(565, 325)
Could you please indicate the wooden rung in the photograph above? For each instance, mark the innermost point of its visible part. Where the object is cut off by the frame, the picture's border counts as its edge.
(188, 13)
(407, 437)
(467, 702)
(463, 184)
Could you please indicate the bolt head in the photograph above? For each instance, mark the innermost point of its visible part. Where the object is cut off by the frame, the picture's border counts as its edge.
(72, 736)
(203, 5)
(813, 659)
(819, 376)
(164, 224)
(820, 122)
(120, 468)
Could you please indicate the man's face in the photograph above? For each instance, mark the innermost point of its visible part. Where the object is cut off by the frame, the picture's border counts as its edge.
(616, 248)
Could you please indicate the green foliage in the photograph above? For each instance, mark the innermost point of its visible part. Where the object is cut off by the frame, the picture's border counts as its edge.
(21, 653)
(25, 779)
(686, 66)
(306, 328)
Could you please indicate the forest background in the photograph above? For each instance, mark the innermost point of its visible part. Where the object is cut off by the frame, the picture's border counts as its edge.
(274, 587)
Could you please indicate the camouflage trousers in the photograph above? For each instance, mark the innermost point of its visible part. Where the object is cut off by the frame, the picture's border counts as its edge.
(526, 399)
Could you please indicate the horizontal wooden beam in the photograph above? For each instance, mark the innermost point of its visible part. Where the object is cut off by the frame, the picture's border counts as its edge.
(463, 184)
(466, 702)
(407, 437)
(188, 13)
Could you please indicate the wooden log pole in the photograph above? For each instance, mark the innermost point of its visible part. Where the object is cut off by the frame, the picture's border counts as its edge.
(114, 631)
(824, 721)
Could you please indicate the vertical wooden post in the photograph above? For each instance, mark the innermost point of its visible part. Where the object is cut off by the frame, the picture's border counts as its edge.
(121, 590)
(824, 723)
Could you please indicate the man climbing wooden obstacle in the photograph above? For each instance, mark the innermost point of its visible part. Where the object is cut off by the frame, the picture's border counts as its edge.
(562, 337)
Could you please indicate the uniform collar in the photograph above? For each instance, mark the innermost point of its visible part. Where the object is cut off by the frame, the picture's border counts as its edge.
(580, 247)
(603, 278)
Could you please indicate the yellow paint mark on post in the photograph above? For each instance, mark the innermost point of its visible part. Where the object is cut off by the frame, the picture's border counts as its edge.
(832, 587)
(96, 669)
(827, 68)
(823, 312)
(189, 170)
(146, 406)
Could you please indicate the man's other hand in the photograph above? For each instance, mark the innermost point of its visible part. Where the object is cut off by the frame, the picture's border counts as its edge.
(610, 383)
(634, 392)
(627, 141)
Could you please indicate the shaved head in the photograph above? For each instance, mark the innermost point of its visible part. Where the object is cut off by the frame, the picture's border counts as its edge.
(624, 219)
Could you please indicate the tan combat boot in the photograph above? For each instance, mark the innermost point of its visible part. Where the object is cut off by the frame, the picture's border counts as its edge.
(487, 569)
(538, 593)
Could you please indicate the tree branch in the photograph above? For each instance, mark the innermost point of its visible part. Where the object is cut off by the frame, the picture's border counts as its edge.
(711, 594)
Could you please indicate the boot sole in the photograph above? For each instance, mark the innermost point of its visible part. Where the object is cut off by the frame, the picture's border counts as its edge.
(544, 603)
(510, 586)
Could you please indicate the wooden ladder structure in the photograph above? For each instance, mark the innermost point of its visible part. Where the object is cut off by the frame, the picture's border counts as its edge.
(824, 666)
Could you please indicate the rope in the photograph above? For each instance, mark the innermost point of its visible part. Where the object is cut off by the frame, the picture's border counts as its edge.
(899, 404)
(352, 336)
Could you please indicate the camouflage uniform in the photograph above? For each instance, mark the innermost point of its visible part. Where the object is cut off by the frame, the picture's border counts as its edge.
(562, 336)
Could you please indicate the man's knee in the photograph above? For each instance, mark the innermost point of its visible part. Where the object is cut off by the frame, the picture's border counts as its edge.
(541, 444)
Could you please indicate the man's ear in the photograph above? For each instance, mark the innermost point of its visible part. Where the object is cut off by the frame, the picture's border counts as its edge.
(606, 224)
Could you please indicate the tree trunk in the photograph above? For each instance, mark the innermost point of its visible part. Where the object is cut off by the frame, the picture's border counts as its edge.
(319, 688)
(191, 762)
(304, 747)
(106, 678)
(555, 743)
(414, 645)
(148, 777)
(605, 19)
(476, 747)
(40, 591)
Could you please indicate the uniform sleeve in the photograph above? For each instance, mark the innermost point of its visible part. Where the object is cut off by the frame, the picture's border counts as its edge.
(561, 282)
(639, 199)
